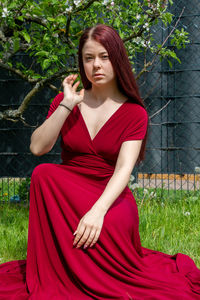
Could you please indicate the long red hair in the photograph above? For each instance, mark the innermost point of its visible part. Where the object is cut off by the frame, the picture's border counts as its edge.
(111, 41)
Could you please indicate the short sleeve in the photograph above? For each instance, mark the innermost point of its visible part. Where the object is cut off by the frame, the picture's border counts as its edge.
(55, 104)
(137, 125)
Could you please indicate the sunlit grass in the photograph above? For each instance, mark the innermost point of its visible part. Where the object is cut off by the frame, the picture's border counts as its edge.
(13, 232)
(169, 222)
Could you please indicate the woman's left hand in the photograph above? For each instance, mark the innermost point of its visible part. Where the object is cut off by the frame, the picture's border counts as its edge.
(89, 228)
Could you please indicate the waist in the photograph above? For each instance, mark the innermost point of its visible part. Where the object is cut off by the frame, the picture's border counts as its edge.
(89, 164)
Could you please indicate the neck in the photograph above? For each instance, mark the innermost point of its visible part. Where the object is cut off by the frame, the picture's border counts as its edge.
(106, 93)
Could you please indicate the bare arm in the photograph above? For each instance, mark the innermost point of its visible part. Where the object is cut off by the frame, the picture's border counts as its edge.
(127, 158)
(45, 136)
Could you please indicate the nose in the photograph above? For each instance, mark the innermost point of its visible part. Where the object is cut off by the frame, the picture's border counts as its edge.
(97, 62)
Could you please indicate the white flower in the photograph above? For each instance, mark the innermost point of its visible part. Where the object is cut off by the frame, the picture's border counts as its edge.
(135, 186)
(112, 3)
(138, 17)
(77, 2)
(5, 12)
(146, 25)
(145, 191)
(197, 169)
(151, 194)
(105, 2)
(187, 213)
(132, 178)
(68, 9)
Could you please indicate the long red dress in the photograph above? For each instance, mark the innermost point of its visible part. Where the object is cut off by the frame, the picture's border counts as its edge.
(116, 267)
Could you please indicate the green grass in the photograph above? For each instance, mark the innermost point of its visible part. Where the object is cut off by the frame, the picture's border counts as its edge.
(13, 232)
(169, 222)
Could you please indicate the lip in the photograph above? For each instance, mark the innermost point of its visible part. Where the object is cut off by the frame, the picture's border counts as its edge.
(98, 75)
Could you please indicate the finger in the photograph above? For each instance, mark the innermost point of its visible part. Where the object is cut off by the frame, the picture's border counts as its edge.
(74, 76)
(80, 232)
(67, 80)
(75, 86)
(70, 79)
(90, 238)
(84, 237)
(97, 234)
(81, 93)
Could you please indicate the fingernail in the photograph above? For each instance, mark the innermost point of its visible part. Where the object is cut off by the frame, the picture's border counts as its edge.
(85, 247)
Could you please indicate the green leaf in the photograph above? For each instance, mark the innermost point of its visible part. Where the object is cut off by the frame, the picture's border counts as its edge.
(51, 19)
(46, 63)
(21, 18)
(16, 45)
(170, 63)
(42, 53)
(26, 36)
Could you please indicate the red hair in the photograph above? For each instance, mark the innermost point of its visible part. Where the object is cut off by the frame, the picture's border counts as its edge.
(111, 41)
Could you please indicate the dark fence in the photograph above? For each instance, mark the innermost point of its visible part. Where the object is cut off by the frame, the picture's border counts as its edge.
(172, 99)
(173, 150)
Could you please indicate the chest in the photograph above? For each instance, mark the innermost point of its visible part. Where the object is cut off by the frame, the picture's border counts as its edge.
(105, 141)
(96, 118)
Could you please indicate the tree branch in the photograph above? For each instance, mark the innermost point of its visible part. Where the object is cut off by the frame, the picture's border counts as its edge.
(139, 33)
(53, 87)
(68, 25)
(16, 115)
(151, 63)
(37, 20)
(164, 42)
(84, 7)
(17, 72)
(158, 111)
(144, 69)
(20, 8)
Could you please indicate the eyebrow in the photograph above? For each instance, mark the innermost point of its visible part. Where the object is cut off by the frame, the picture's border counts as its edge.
(104, 52)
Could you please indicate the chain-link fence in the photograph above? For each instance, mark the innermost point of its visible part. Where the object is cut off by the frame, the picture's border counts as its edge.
(173, 150)
(172, 99)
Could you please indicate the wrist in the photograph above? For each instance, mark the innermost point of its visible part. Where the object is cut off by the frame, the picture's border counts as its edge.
(69, 105)
(100, 208)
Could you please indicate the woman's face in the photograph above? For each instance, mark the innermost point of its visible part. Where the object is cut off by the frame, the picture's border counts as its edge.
(97, 65)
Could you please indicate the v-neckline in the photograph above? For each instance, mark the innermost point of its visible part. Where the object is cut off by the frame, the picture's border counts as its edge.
(102, 127)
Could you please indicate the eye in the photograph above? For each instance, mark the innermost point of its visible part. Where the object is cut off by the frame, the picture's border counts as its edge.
(105, 56)
(88, 58)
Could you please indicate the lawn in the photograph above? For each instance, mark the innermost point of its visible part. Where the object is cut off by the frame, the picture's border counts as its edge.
(169, 222)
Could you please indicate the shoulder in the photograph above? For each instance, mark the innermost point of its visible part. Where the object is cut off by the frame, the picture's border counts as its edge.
(58, 98)
(136, 111)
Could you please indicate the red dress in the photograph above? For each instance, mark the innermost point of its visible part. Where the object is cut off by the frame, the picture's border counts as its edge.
(116, 267)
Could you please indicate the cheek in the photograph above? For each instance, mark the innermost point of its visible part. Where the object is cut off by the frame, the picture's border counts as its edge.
(110, 69)
(87, 70)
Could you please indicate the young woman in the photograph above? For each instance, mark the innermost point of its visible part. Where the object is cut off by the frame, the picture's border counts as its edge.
(83, 240)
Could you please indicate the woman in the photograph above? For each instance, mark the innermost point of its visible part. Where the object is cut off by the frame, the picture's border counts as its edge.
(83, 240)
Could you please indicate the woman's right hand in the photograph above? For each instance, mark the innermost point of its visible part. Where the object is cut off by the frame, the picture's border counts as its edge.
(71, 96)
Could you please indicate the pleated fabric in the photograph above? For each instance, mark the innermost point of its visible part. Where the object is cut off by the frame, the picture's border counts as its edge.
(117, 266)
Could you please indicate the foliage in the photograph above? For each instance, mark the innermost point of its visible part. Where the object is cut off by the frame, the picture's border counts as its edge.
(23, 190)
(48, 33)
